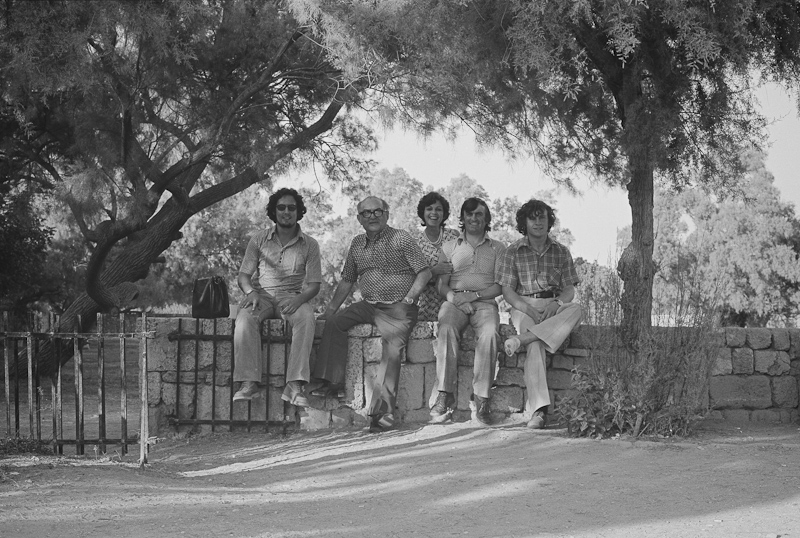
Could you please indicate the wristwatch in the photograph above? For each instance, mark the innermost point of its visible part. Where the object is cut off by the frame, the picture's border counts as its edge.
(408, 300)
(560, 302)
(477, 294)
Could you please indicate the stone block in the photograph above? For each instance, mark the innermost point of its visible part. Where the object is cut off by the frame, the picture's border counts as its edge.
(784, 391)
(766, 415)
(372, 348)
(466, 357)
(781, 340)
(510, 377)
(716, 338)
(420, 351)
(562, 362)
(430, 384)
(161, 352)
(413, 415)
(224, 356)
(274, 328)
(370, 373)
(759, 338)
(423, 330)
(742, 360)
(315, 419)
(364, 330)
(794, 368)
(576, 352)
(794, 343)
(410, 393)
(467, 341)
(789, 416)
(507, 399)
(168, 393)
(735, 336)
(153, 388)
(768, 361)
(559, 379)
(278, 409)
(734, 392)
(354, 375)
(715, 415)
(464, 387)
(722, 362)
(360, 419)
(275, 356)
(736, 415)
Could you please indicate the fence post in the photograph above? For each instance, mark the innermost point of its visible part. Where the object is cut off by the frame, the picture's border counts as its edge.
(144, 429)
(7, 379)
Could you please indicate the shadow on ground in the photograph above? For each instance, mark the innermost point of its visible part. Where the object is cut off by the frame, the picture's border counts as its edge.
(728, 480)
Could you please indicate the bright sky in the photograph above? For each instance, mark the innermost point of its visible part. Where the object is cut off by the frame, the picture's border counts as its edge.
(598, 212)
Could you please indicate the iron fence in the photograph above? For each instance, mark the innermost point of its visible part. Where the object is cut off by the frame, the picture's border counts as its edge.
(103, 362)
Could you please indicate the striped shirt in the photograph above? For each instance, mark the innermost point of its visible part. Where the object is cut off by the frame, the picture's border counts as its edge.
(473, 268)
(281, 268)
(528, 272)
(385, 267)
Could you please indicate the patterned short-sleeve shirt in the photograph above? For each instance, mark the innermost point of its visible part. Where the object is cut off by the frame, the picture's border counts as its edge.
(281, 268)
(384, 267)
(528, 272)
(473, 268)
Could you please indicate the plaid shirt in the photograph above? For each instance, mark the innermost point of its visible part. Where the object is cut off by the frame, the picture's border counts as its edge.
(473, 268)
(527, 272)
(275, 267)
(384, 267)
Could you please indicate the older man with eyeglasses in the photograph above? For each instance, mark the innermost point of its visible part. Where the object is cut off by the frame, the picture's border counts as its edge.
(280, 274)
(391, 272)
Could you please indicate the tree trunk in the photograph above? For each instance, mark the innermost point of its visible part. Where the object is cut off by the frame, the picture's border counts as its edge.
(635, 266)
(129, 266)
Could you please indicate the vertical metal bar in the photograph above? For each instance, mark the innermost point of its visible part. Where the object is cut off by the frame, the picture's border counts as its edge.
(198, 331)
(178, 374)
(214, 377)
(101, 384)
(53, 389)
(29, 346)
(60, 390)
(16, 388)
(78, 358)
(123, 387)
(144, 429)
(286, 351)
(37, 394)
(231, 382)
(7, 357)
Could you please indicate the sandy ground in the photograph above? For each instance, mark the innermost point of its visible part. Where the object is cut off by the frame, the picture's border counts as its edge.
(728, 480)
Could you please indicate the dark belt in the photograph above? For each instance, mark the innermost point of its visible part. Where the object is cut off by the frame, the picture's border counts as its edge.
(547, 294)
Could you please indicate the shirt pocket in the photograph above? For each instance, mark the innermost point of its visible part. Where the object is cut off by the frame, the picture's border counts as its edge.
(290, 260)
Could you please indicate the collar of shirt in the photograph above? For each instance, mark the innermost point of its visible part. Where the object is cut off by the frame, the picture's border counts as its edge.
(523, 242)
(271, 236)
(463, 237)
(378, 236)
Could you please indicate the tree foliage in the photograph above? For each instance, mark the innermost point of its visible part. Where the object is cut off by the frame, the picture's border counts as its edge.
(739, 255)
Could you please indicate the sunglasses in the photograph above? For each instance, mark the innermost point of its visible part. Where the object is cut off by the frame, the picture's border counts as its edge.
(372, 213)
(284, 207)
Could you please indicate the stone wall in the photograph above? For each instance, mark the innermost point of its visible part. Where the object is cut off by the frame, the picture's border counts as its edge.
(755, 375)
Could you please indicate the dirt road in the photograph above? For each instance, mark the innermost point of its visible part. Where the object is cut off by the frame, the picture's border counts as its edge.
(454, 480)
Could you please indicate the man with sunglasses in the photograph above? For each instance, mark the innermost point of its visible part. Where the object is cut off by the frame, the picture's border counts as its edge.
(391, 272)
(280, 273)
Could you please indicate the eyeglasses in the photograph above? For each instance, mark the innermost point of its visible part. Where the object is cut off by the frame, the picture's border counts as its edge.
(284, 207)
(372, 213)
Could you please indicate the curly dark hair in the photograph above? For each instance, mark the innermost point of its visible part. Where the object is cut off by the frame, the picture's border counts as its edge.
(430, 199)
(471, 204)
(532, 208)
(280, 193)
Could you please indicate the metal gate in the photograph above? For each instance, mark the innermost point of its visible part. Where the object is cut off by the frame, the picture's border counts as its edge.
(99, 376)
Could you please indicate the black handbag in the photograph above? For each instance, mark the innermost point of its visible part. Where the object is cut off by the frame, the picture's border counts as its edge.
(210, 298)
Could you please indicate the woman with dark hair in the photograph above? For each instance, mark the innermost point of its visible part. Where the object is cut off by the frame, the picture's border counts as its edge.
(433, 209)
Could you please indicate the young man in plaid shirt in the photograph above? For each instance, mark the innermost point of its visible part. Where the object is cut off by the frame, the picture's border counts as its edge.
(538, 280)
(391, 272)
